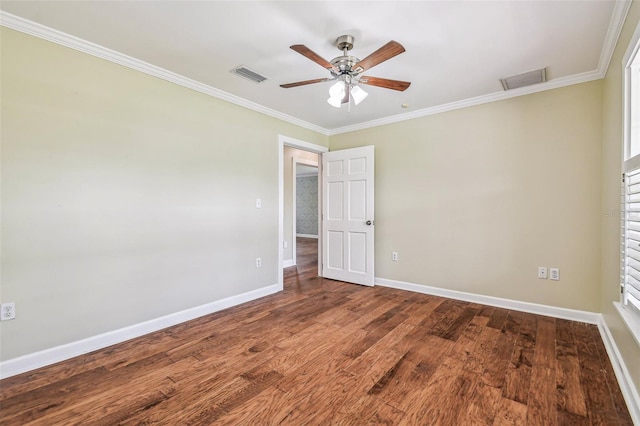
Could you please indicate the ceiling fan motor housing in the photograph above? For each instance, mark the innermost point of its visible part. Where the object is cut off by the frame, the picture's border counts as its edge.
(345, 42)
(344, 64)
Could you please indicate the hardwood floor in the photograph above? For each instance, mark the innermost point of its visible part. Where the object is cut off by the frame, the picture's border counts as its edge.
(324, 352)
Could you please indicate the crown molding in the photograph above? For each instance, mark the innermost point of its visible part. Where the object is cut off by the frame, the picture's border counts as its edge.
(478, 100)
(621, 8)
(618, 17)
(32, 28)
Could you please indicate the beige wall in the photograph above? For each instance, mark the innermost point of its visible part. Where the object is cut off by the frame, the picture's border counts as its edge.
(612, 170)
(125, 197)
(476, 199)
(289, 155)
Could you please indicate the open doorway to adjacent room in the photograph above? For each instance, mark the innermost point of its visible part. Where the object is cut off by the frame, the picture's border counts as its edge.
(305, 213)
(301, 207)
(345, 230)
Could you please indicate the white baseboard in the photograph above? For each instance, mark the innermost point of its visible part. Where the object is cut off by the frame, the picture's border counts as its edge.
(50, 356)
(534, 308)
(628, 389)
(287, 263)
(307, 236)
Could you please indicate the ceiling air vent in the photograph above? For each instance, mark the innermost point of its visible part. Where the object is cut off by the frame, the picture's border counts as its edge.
(245, 72)
(525, 79)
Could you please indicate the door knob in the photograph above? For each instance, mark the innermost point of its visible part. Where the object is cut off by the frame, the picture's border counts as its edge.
(369, 223)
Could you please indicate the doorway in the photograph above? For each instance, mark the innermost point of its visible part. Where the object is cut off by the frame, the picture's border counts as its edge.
(306, 202)
(346, 227)
(306, 154)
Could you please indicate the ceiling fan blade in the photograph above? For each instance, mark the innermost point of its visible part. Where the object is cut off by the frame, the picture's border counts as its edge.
(302, 83)
(308, 53)
(388, 51)
(385, 82)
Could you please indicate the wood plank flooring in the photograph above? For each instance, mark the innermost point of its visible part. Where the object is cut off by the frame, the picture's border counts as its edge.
(329, 353)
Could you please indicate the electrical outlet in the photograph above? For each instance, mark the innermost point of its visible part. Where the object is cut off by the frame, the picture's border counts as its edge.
(285, 244)
(542, 272)
(7, 311)
(554, 274)
(394, 256)
(258, 262)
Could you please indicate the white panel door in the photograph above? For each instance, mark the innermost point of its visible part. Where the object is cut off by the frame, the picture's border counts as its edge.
(347, 215)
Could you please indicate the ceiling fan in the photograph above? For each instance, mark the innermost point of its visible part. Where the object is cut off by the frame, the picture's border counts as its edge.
(348, 71)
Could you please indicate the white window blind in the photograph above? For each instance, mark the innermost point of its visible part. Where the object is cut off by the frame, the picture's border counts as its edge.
(629, 305)
(630, 279)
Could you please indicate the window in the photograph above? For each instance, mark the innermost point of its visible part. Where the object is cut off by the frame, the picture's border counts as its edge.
(629, 306)
(632, 126)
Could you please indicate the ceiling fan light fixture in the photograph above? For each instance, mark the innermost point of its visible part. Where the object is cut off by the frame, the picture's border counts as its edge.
(347, 70)
(336, 94)
(337, 90)
(335, 101)
(358, 94)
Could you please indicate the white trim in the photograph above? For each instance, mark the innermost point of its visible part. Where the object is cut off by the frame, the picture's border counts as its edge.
(632, 48)
(29, 27)
(307, 146)
(629, 163)
(620, 10)
(618, 16)
(627, 387)
(630, 320)
(56, 354)
(294, 211)
(478, 100)
(534, 308)
(288, 263)
(307, 236)
(615, 27)
(280, 212)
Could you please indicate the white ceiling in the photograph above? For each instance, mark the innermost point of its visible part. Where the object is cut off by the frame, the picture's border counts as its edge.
(456, 51)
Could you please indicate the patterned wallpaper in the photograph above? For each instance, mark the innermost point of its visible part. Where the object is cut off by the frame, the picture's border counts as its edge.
(307, 205)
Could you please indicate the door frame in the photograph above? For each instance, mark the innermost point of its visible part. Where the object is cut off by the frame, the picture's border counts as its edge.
(315, 164)
(306, 146)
